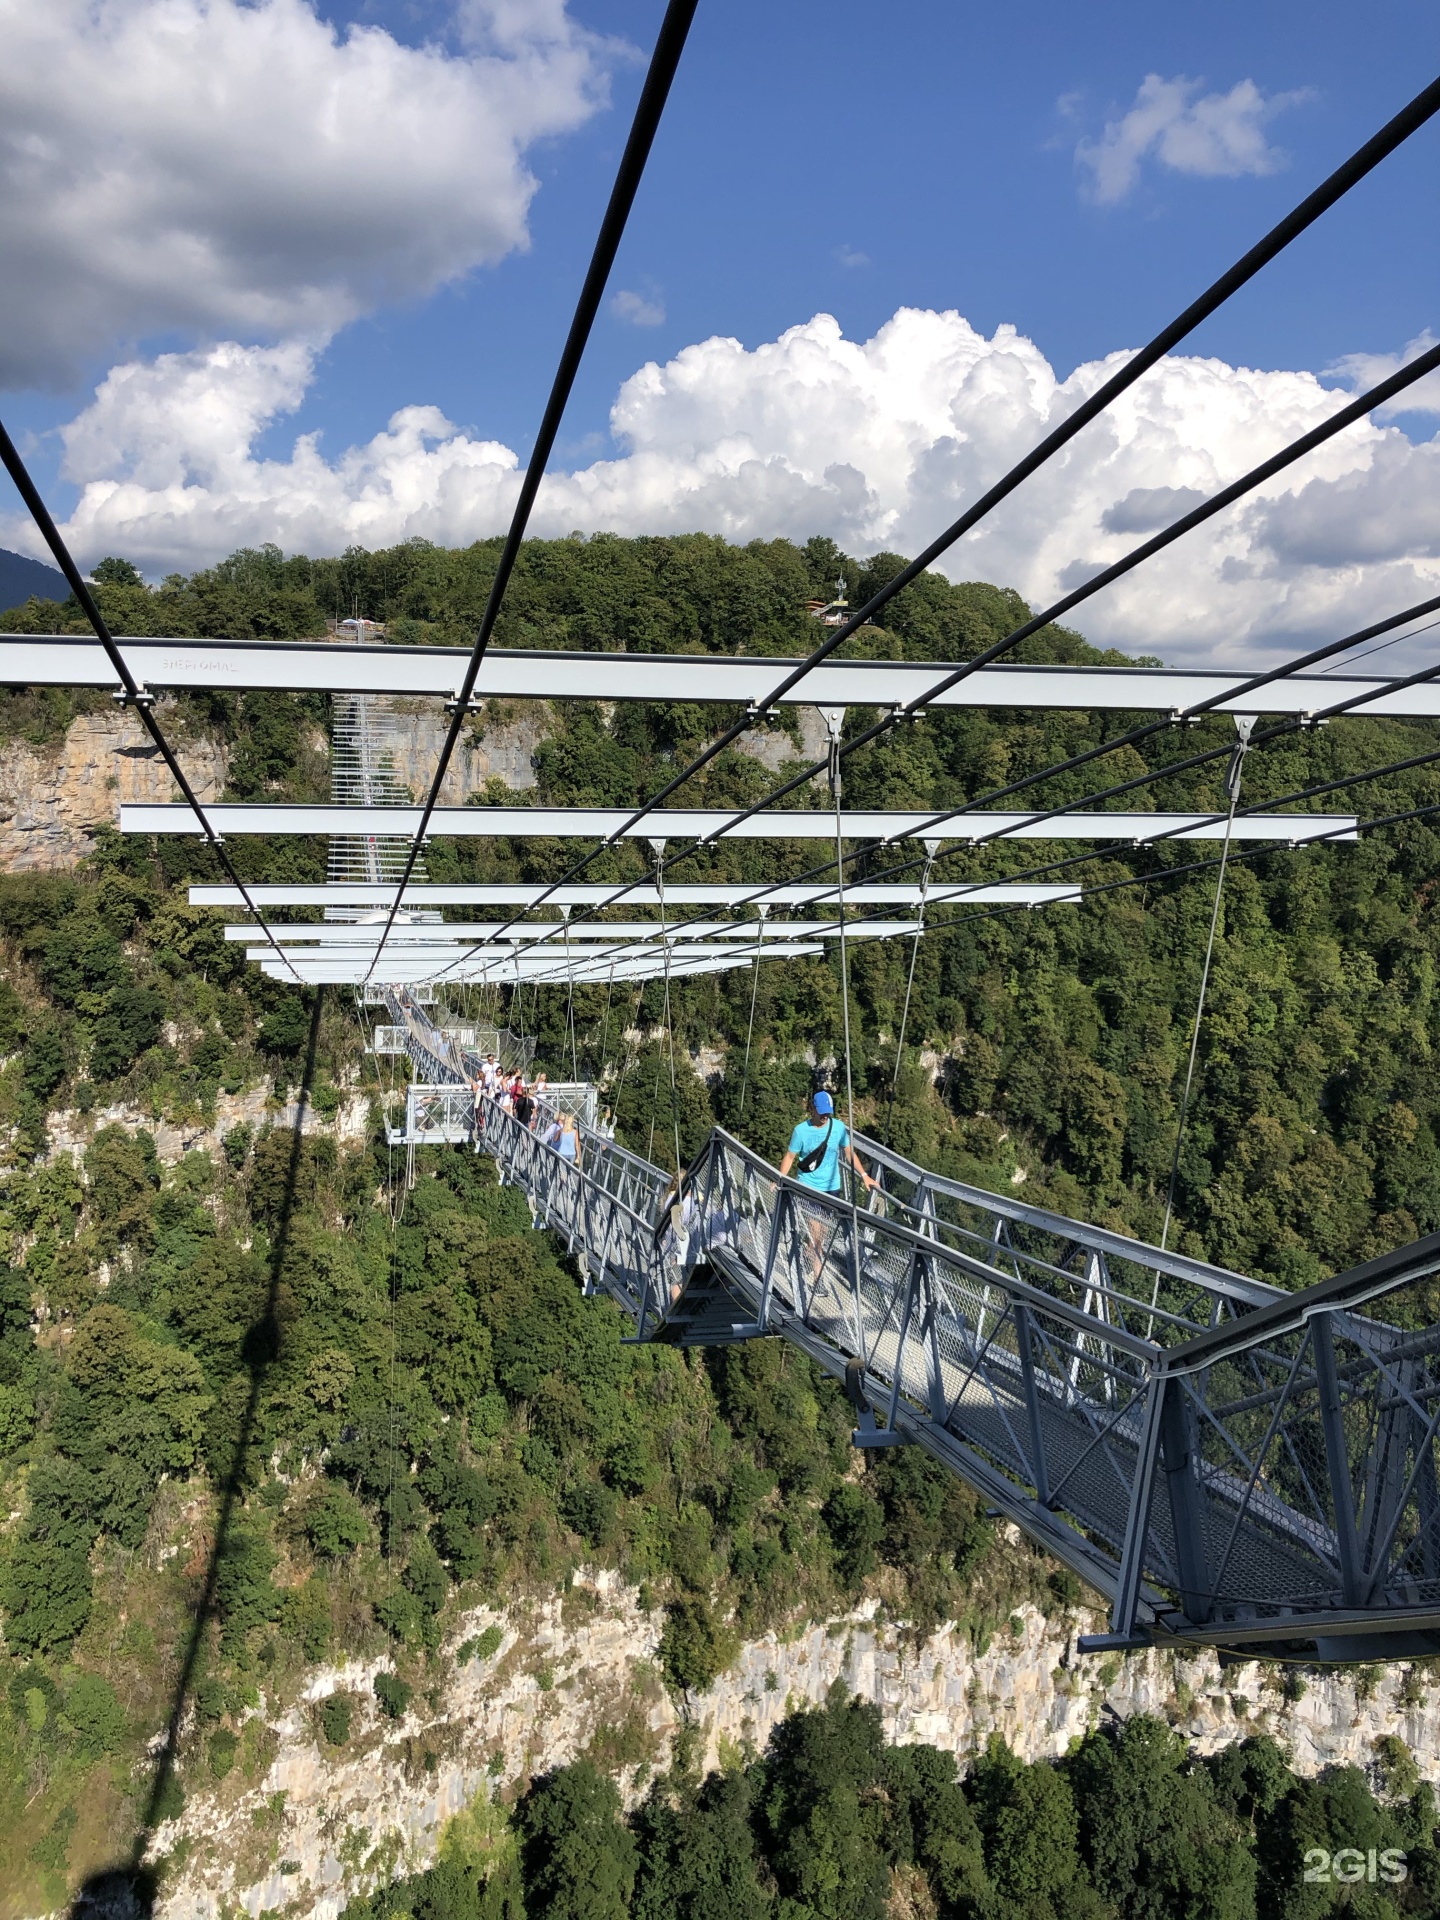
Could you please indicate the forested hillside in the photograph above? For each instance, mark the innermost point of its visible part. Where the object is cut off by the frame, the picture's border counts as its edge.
(268, 1375)
(834, 1824)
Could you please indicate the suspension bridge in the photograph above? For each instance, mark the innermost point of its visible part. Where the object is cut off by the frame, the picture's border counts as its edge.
(1226, 1462)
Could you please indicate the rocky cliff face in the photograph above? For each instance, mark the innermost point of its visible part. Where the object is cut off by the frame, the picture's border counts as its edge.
(412, 732)
(577, 1675)
(51, 797)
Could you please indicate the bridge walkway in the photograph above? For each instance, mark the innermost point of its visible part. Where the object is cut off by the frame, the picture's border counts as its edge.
(1223, 1460)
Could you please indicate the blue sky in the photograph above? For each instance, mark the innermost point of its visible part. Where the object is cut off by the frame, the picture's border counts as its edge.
(931, 140)
(232, 225)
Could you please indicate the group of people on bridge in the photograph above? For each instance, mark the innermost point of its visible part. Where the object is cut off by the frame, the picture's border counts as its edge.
(528, 1104)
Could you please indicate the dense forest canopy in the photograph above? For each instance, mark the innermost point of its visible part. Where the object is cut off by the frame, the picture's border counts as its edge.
(834, 1823)
(217, 1332)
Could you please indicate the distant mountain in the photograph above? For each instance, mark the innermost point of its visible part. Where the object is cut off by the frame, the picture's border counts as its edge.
(20, 578)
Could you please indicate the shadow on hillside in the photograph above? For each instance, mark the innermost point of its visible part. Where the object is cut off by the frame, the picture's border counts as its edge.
(128, 1891)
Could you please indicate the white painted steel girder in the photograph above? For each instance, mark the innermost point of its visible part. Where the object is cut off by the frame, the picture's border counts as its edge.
(646, 964)
(506, 673)
(702, 823)
(727, 893)
(548, 958)
(342, 933)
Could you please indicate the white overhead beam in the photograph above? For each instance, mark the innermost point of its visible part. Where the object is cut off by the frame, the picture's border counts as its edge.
(728, 893)
(552, 933)
(698, 823)
(501, 972)
(511, 674)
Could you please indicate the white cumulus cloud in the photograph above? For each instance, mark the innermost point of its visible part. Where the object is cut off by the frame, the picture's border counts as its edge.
(880, 443)
(213, 167)
(1190, 132)
(1364, 370)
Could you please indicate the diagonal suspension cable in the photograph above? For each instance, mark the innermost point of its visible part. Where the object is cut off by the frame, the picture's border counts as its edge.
(1287, 456)
(132, 693)
(1084, 859)
(1346, 416)
(1166, 771)
(664, 61)
(1396, 131)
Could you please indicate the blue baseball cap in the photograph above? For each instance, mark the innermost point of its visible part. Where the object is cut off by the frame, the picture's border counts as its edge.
(822, 1102)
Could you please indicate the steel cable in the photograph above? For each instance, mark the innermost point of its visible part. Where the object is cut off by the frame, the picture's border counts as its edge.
(134, 694)
(1397, 130)
(1357, 409)
(664, 61)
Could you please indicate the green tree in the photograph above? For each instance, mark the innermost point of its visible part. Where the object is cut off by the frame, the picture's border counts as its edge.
(823, 1817)
(245, 1596)
(578, 1857)
(95, 1713)
(1158, 1843)
(113, 572)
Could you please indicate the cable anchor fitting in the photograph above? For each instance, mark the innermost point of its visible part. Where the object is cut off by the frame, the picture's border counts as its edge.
(454, 704)
(142, 697)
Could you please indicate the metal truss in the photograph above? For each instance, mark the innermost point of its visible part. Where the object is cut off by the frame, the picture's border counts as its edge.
(514, 674)
(1228, 1463)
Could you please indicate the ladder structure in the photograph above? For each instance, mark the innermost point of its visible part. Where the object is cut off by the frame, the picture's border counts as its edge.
(1228, 1463)
(362, 774)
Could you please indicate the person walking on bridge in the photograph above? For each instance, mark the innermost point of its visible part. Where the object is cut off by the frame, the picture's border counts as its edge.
(819, 1147)
(568, 1143)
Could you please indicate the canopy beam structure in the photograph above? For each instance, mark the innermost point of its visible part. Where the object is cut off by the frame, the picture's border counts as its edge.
(699, 823)
(515, 674)
(476, 968)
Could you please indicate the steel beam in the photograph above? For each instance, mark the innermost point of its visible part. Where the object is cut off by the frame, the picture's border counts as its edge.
(323, 934)
(684, 824)
(727, 893)
(744, 679)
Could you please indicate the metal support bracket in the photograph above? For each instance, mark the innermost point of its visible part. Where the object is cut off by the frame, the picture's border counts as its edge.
(142, 697)
(867, 1433)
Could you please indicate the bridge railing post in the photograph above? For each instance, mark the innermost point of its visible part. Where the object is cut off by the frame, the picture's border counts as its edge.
(1126, 1604)
(1180, 1456)
(912, 1288)
(1337, 1460)
(1023, 1342)
(772, 1253)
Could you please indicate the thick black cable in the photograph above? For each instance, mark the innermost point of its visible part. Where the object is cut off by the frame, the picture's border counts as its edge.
(669, 45)
(1290, 725)
(1201, 708)
(134, 694)
(1164, 873)
(1189, 715)
(1358, 408)
(1346, 416)
(1395, 132)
